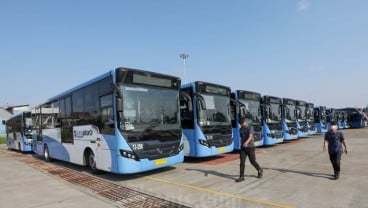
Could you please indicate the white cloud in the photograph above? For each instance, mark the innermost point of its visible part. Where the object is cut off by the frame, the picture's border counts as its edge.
(303, 5)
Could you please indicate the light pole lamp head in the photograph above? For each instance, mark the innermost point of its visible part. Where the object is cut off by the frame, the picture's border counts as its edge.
(184, 56)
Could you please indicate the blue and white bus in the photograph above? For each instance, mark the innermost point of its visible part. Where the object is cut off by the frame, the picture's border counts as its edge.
(342, 119)
(301, 122)
(19, 130)
(246, 105)
(310, 119)
(124, 121)
(330, 117)
(355, 118)
(205, 119)
(271, 120)
(320, 119)
(339, 119)
(289, 119)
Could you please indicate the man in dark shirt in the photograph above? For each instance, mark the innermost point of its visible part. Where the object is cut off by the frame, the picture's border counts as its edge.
(335, 140)
(247, 149)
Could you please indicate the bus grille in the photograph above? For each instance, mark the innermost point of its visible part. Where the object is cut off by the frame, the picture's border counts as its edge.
(220, 140)
(257, 136)
(275, 126)
(158, 151)
(292, 128)
(312, 126)
(277, 135)
(303, 126)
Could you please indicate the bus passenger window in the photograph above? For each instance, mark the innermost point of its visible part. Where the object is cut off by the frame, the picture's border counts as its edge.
(106, 115)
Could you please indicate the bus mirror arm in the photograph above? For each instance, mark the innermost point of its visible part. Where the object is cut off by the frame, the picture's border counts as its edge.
(119, 104)
(117, 90)
(201, 101)
(187, 99)
(236, 102)
(203, 104)
(242, 105)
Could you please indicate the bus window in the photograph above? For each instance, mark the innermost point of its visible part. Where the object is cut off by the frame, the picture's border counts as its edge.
(66, 121)
(106, 113)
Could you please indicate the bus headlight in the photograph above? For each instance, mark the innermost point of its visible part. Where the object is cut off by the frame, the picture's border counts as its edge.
(180, 148)
(203, 142)
(27, 142)
(128, 154)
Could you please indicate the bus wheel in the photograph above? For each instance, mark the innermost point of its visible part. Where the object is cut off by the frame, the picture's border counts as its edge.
(91, 161)
(46, 154)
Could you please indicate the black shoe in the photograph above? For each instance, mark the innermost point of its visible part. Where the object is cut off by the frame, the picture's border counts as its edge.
(240, 179)
(337, 175)
(260, 173)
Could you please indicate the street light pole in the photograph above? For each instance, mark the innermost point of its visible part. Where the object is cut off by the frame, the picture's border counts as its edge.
(184, 57)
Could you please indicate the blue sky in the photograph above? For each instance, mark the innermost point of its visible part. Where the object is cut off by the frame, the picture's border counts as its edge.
(311, 50)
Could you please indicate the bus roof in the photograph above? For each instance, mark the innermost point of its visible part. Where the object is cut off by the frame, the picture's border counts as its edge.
(98, 78)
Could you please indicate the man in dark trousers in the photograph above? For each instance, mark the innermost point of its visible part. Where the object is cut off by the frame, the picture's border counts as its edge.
(335, 141)
(247, 149)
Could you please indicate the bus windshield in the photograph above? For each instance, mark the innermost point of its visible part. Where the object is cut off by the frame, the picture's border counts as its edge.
(323, 113)
(275, 113)
(302, 113)
(290, 113)
(309, 113)
(216, 112)
(252, 111)
(149, 111)
(28, 126)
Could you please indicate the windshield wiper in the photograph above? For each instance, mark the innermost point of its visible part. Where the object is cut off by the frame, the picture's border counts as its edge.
(213, 127)
(148, 129)
(220, 127)
(172, 132)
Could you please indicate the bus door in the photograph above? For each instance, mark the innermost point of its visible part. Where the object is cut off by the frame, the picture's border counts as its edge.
(105, 140)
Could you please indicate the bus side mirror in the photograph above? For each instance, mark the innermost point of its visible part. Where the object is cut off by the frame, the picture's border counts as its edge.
(185, 98)
(119, 104)
(3, 122)
(242, 109)
(267, 112)
(202, 102)
(234, 105)
(117, 90)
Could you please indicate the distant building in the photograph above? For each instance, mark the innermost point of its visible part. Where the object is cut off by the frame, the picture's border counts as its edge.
(4, 116)
(17, 108)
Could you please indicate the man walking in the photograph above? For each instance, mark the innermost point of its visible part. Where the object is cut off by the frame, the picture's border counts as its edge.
(335, 141)
(247, 149)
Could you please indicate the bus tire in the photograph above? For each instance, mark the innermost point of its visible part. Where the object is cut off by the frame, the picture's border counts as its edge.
(91, 161)
(46, 154)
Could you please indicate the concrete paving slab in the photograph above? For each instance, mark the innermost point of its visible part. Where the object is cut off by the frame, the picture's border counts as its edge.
(25, 186)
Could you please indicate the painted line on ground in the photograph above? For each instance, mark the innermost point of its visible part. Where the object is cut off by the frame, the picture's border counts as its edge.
(234, 196)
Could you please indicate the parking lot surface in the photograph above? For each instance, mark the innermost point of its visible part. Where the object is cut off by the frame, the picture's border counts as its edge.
(296, 174)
